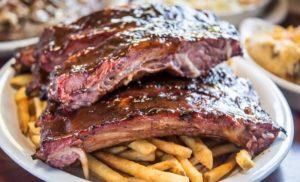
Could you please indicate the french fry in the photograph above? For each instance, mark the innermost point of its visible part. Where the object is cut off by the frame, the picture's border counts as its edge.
(138, 170)
(172, 148)
(103, 171)
(217, 173)
(21, 80)
(23, 113)
(36, 140)
(223, 149)
(31, 109)
(167, 157)
(243, 158)
(116, 150)
(136, 156)
(177, 167)
(44, 105)
(32, 119)
(38, 107)
(201, 168)
(133, 179)
(194, 160)
(172, 164)
(164, 165)
(142, 146)
(200, 151)
(159, 153)
(21, 94)
(190, 170)
(32, 129)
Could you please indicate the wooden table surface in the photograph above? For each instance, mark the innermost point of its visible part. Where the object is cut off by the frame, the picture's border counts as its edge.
(289, 169)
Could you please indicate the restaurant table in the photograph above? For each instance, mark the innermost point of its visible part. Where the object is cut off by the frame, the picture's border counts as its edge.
(289, 169)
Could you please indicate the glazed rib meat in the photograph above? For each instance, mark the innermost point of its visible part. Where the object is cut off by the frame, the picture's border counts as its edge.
(108, 49)
(218, 105)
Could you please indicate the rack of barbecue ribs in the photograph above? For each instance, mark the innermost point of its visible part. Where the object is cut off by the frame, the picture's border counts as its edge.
(135, 72)
(218, 105)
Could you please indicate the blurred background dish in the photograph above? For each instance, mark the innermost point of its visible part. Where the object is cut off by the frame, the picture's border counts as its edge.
(23, 20)
(220, 7)
(234, 11)
(276, 52)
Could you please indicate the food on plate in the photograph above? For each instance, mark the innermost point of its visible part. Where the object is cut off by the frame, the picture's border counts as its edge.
(200, 151)
(207, 90)
(217, 6)
(145, 104)
(244, 160)
(27, 18)
(138, 170)
(172, 148)
(21, 80)
(217, 173)
(103, 171)
(190, 170)
(157, 106)
(278, 51)
(89, 58)
(142, 146)
(223, 149)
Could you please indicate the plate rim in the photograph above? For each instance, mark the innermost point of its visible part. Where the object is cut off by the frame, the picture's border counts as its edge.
(8, 46)
(40, 172)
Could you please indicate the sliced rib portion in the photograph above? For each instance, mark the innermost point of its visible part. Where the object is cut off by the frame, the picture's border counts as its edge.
(183, 41)
(218, 105)
(109, 48)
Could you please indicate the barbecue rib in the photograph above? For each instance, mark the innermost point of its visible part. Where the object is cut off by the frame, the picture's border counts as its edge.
(108, 49)
(218, 105)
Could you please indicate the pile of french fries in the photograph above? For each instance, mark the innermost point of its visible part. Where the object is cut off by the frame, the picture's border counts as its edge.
(169, 159)
(29, 109)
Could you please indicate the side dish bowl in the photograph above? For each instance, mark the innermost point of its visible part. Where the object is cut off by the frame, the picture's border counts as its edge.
(291, 90)
(20, 149)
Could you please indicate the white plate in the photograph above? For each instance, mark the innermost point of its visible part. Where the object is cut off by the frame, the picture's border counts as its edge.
(19, 148)
(255, 25)
(8, 47)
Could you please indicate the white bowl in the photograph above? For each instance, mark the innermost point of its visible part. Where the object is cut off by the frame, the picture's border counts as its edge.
(291, 90)
(8, 47)
(237, 17)
(20, 149)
